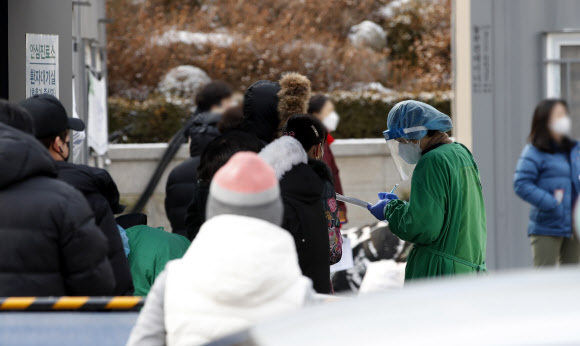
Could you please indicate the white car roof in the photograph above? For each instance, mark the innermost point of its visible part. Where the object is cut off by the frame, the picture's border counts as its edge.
(527, 307)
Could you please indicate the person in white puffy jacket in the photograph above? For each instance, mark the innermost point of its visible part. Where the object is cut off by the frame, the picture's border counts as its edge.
(240, 269)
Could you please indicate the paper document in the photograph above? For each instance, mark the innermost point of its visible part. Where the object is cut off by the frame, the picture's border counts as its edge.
(351, 200)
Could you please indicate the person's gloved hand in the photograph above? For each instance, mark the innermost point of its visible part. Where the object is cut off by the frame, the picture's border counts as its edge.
(378, 209)
(386, 195)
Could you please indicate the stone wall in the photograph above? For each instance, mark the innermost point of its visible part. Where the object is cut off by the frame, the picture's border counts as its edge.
(365, 169)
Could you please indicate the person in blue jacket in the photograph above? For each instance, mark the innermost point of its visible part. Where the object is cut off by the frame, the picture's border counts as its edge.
(548, 177)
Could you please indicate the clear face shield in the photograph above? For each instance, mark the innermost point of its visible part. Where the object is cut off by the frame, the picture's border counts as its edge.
(405, 153)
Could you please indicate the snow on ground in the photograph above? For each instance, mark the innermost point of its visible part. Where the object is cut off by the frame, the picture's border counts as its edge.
(390, 97)
(314, 48)
(368, 34)
(388, 10)
(199, 39)
(182, 82)
(373, 86)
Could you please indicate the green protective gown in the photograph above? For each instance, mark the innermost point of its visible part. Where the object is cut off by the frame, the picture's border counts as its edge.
(445, 216)
(151, 248)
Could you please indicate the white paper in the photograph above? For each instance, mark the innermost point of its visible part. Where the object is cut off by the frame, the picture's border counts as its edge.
(352, 200)
(98, 123)
(41, 64)
(346, 261)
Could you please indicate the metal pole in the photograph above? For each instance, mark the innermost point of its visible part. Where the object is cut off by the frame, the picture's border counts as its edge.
(84, 100)
(104, 71)
(81, 78)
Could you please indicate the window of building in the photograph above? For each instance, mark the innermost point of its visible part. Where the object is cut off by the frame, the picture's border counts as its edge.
(563, 72)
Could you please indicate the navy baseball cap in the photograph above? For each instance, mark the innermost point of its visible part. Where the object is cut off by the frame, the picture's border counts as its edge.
(49, 116)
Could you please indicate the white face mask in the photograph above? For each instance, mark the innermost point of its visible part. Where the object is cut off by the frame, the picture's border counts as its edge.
(331, 121)
(410, 152)
(562, 126)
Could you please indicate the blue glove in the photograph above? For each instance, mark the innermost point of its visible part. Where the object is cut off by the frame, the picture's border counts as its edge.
(378, 209)
(386, 195)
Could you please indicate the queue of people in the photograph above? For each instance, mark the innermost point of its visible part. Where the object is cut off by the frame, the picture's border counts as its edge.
(255, 220)
(255, 274)
(212, 100)
(51, 245)
(52, 127)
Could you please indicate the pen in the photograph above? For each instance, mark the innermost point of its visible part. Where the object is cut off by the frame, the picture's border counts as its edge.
(394, 188)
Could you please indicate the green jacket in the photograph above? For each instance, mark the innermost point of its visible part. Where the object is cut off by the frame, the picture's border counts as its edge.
(445, 216)
(151, 248)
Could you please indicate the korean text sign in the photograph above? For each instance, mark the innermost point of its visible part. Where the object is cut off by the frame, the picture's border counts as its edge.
(41, 64)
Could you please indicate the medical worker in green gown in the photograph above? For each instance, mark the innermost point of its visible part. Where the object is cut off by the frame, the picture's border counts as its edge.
(445, 215)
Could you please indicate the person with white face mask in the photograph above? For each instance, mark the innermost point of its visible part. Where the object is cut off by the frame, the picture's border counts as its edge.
(322, 108)
(445, 216)
(548, 177)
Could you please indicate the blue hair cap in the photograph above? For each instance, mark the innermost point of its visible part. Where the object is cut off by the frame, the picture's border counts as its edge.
(411, 113)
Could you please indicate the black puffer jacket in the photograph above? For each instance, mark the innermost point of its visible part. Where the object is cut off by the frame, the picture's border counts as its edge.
(261, 110)
(49, 243)
(302, 188)
(181, 181)
(196, 209)
(101, 192)
(203, 131)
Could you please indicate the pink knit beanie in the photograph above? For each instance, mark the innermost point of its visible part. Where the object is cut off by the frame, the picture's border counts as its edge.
(245, 185)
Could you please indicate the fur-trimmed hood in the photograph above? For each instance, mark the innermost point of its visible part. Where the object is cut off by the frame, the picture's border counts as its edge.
(268, 105)
(286, 152)
(294, 95)
(283, 154)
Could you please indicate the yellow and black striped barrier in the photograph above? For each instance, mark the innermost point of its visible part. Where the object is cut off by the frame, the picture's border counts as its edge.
(123, 303)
